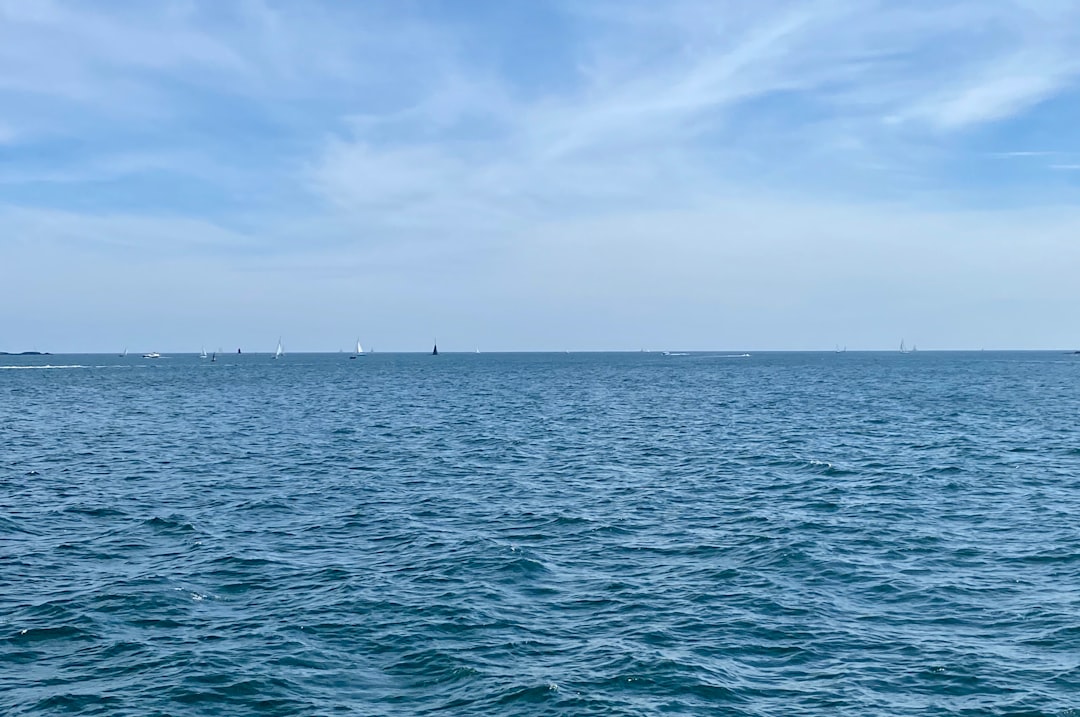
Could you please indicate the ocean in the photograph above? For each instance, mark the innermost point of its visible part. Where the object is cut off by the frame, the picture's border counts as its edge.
(541, 534)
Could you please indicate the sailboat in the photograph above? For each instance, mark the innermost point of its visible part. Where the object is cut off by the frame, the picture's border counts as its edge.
(902, 349)
(435, 349)
(202, 353)
(213, 359)
(124, 355)
(280, 351)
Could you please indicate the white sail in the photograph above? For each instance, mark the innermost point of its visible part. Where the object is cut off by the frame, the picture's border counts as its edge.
(202, 352)
(359, 348)
(280, 351)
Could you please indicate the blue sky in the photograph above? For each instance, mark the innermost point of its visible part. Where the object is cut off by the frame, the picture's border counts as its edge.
(539, 176)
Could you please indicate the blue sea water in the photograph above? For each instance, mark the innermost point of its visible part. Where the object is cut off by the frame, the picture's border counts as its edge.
(541, 534)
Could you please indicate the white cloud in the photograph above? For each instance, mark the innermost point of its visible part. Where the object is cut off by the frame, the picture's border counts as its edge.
(1021, 153)
(117, 165)
(1003, 89)
(109, 232)
(704, 158)
(677, 100)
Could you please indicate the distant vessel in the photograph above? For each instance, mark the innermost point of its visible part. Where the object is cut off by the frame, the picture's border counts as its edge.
(152, 354)
(213, 359)
(202, 353)
(124, 355)
(477, 349)
(902, 349)
(359, 350)
(435, 349)
(280, 351)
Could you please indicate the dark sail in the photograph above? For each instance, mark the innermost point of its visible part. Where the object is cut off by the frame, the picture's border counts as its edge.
(435, 350)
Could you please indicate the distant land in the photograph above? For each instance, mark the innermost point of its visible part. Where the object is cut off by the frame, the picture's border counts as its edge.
(26, 353)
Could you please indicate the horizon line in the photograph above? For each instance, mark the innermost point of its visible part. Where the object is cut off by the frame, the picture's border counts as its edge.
(138, 354)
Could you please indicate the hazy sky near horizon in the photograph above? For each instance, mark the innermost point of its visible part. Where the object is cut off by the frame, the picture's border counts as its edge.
(561, 174)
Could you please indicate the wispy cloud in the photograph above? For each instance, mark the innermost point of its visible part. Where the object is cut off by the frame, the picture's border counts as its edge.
(1003, 88)
(1021, 153)
(340, 138)
(133, 234)
(693, 92)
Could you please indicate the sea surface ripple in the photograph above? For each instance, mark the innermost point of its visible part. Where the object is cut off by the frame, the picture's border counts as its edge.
(541, 534)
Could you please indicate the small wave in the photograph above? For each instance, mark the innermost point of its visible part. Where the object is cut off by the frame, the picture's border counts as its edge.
(76, 702)
(169, 524)
(529, 694)
(64, 632)
(46, 366)
(525, 566)
(94, 511)
(7, 525)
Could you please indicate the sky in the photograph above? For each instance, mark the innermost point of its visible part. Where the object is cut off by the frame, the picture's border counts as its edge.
(548, 175)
